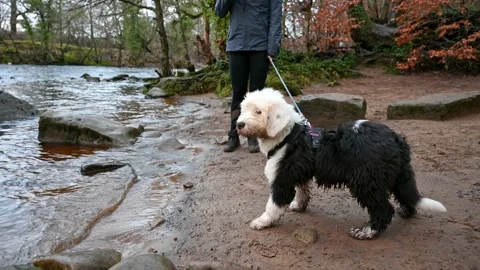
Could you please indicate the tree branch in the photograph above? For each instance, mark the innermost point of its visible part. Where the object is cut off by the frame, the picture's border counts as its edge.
(192, 16)
(137, 5)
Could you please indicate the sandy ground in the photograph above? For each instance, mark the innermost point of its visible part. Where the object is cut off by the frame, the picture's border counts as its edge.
(230, 190)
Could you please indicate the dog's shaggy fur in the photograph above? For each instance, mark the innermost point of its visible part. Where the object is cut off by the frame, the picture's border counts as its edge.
(368, 158)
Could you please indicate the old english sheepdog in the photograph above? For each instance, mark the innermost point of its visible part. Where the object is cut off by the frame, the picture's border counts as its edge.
(368, 158)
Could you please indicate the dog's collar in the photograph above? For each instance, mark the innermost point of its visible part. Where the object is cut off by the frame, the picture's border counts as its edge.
(296, 130)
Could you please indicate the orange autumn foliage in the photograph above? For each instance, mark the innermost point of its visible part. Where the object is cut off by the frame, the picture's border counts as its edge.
(331, 24)
(436, 37)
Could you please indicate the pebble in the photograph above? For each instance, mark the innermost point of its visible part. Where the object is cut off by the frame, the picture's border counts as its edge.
(188, 185)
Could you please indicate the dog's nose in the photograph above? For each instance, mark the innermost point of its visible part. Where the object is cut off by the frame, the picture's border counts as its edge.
(240, 125)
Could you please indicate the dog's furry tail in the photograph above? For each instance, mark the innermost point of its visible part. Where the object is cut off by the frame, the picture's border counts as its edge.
(430, 205)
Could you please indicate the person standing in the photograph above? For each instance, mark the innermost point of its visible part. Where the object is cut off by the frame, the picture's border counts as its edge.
(254, 34)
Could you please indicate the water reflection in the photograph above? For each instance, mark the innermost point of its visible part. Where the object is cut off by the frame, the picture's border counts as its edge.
(54, 152)
(43, 197)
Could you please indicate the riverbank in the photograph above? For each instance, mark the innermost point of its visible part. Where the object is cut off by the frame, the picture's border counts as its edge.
(211, 221)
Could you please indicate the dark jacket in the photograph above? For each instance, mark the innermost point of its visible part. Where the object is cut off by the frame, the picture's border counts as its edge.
(255, 25)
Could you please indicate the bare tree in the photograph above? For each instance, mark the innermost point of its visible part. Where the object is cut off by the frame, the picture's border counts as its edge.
(13, 17)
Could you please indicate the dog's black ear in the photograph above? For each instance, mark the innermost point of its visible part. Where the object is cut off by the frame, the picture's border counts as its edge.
(278, 118)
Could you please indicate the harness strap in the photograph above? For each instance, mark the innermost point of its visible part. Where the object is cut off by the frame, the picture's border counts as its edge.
(316, 137)
(296, 130)
(315, 134)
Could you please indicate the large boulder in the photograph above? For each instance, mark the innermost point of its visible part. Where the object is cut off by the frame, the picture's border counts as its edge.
(439, 106)
(12, 108)
(145, 262)
(330, 109)
(70, 128)
(96, 259)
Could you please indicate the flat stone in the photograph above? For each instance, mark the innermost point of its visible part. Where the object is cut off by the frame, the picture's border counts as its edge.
(305, 235)
(157, 92)
(145, 262)
(440, 106)
(96, 259)
(169, 144)
(70, 128)
(330, 109)
(12, 108)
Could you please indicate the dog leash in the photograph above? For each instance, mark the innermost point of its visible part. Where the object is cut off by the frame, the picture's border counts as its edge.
(315, 133)
(304, 120)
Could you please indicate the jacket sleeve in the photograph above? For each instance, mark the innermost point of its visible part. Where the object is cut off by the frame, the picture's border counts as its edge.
(222, 7)
(275, 28)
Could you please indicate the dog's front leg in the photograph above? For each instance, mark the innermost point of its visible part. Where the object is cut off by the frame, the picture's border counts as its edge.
(272, 213)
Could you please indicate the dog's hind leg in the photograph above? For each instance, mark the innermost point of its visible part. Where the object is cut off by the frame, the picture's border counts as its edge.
(302, 197)
(381, 213)
(406, 192)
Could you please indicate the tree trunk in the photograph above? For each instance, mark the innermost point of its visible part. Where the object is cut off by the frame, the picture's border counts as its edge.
(308, 21)
(183, 36)
(164, 55)
(92, 32)
(13, 17)
(206, 47)
(207, 52)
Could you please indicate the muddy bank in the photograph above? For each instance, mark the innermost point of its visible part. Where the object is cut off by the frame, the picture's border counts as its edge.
(211, 221)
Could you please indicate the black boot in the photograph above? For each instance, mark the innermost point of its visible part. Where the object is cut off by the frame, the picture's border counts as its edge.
(233, 139)
(253, 145)
(233, 142)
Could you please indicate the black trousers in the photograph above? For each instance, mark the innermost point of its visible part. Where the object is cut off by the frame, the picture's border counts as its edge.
(245, 65)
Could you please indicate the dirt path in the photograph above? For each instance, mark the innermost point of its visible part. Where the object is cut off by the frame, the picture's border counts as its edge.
(230, 190)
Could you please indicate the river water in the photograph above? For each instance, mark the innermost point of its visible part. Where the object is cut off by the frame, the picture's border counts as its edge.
(44, 200)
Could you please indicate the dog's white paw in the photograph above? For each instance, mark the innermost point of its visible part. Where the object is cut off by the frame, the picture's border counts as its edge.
(363, 233)
(260, 223)
(296, 207)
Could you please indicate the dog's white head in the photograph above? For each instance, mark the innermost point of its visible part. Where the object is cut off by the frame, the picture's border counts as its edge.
(264, 114)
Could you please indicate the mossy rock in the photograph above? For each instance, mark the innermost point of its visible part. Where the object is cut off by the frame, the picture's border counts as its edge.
(440, 106)
(69, 128)
(190, 85)
(96, 259)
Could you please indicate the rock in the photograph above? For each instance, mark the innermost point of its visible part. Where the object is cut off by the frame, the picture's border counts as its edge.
(89, 78)
(157, 222)
(19, 267)
(169, 144)
(174, 176)
(227, 103)
(152, 134)
(305, 235)
(221, 141)
(439, 106)
(70, 128)
(188, 185)
(96, 259)
(330, 109)
(13, 108)
(119, 77)
(157, 92)
(214, 265)
(145, 262)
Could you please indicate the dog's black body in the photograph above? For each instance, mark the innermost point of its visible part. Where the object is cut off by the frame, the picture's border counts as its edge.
(368, 158)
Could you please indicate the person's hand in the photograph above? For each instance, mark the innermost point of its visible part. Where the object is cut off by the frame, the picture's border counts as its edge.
(270, 58)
